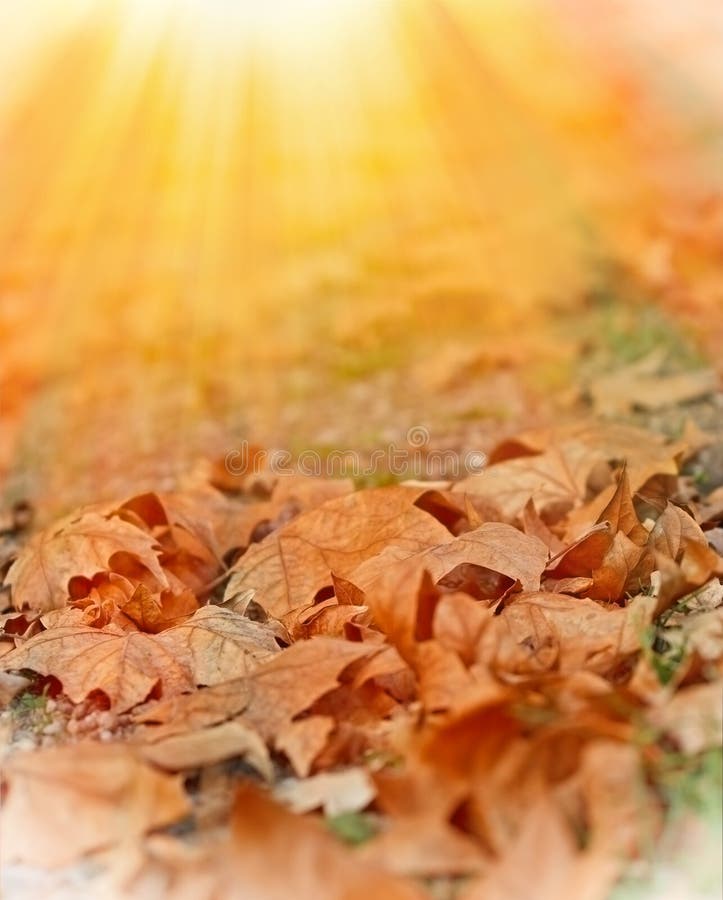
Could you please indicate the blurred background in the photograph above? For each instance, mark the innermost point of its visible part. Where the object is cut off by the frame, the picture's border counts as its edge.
(314, 223)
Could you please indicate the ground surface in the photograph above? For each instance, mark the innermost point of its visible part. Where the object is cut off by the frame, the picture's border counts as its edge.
(179, 275)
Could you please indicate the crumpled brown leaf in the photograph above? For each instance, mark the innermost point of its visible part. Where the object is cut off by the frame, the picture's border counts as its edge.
(302, 740)
(693, 718)
(205, 746)
(542, 632)
(493, 545)
(90, 796)
(218, 645)
(127, 667)
(214, 645)
(268, 700)
(544, 859)
(291, 565)
(554, 480)
(296, 677)
(80, 545)
(553, 466)
(272, 853)
(614, 554)
(678, 536)
(200, 709)
(645, 385)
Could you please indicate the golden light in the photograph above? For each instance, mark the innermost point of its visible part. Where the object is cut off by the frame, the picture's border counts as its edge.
(195, 192)
(280, 26)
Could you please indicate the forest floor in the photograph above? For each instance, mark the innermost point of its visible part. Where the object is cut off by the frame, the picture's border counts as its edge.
(630, 374)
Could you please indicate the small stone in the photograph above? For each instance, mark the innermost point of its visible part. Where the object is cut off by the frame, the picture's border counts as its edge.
(53, 728)
(106, 735)
(88, 723)
(107, 720)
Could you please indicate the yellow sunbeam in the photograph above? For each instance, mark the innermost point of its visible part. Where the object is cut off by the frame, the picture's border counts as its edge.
(203, 197)
(292, 29)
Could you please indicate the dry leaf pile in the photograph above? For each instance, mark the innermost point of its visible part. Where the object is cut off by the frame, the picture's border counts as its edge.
(467, 681)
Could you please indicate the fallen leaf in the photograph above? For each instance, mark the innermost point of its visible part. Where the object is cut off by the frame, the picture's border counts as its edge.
(533, 525)
(620, 512)
(80, 545)
(693, 718)
(459, 622)
(303, 740)
(217, 644)
(194, 749)
(388, 669)
(402, 598)
(101, 603)
(442, 676)
(329, 617)
(544, 858)
(127, 667)
(290, 566)
(243, 523)
(199, 709)
(418, 838)
(91, 796)
(622, 816)
(540, 632)
(584, 554)
(402, 604)
(643, 385)
(679, 537)
(295, 678)
(553, 465)
(154, 613)
(193, 511)
(613, 553)
(213, 646)
(493, 546)
(554, 480)
(625, 569)
(272, 853)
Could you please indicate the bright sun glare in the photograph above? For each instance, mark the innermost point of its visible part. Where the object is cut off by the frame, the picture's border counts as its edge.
(281, 25)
